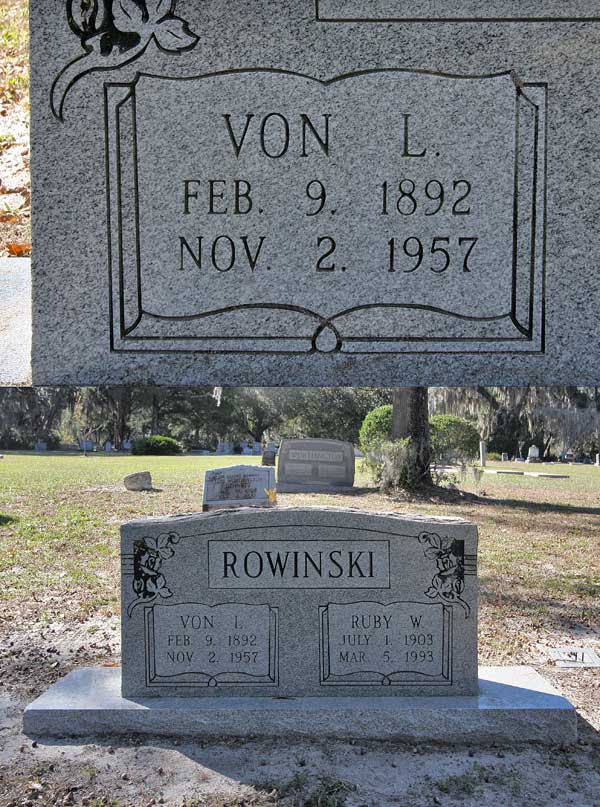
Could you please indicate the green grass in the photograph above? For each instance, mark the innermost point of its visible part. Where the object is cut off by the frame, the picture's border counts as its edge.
(539, 563)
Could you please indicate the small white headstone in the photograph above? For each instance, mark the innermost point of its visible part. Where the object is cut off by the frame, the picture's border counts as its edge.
(238, 486)
(534, 454)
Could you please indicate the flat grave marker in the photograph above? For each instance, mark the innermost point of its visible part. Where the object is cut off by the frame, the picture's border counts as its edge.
(238, 486)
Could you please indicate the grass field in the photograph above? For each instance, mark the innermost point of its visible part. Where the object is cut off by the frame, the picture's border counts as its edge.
(539, 538)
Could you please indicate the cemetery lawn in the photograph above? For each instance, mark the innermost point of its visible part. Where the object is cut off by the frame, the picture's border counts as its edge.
(539, 566)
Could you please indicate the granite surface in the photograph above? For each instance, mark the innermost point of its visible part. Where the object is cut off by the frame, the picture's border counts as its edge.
(515, 705)
(315, 465)
(257, 194)
(15, 322)
(299, 602)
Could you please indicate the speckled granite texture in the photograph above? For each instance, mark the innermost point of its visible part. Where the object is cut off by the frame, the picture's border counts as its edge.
(253, 193)
(296, 602)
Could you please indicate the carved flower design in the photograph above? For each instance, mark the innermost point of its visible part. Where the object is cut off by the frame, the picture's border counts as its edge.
(153, 18)
(148, 555)
(449, 582)
(114, 33)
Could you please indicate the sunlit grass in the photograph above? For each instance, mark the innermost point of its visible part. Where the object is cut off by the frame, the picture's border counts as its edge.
(539, 552)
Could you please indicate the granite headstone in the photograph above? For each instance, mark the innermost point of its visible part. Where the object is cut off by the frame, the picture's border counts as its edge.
(239, 485)
(269, 457)
(315, 465)
(371, 192)
(299, 602)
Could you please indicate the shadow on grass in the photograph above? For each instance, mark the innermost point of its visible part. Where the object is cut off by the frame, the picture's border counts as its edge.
(552, 609)
(5, 520)
(450, 496)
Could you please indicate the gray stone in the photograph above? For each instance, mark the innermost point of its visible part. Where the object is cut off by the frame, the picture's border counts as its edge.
(315, 465)
(139, 481)
(459, 10)
(299, 602)
(269, 457)
(514, 705)
(352, 285)
(15, 322)
(239, 485)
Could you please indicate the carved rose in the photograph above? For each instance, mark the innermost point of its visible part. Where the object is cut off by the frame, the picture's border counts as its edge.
(114, 33)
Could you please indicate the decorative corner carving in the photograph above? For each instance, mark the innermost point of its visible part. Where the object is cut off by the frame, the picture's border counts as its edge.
(148, 580)
(449, 582)
(115, 33)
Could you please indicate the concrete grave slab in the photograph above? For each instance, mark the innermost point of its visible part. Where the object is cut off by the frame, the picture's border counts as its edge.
(513, 705)
(15, 322)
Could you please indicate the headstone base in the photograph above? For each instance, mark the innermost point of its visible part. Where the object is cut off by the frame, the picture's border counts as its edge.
(515, 705)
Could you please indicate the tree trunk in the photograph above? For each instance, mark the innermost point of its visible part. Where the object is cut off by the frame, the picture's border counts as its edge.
(154, 427)
(411, 419)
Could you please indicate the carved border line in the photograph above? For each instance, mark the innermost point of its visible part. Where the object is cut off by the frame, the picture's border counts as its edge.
(245, 679)
(124, 333)
(327, 678)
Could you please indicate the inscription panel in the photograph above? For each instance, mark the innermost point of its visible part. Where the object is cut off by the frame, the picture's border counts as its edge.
(387, 230)
(393, 644)
(341, 193)
(198, 645)
(298, 564)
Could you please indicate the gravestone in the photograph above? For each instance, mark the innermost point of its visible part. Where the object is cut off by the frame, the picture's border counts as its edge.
(533, 454)
(307, 623)
(269, 456)
(505, 457)
(40, 446)
(240, 485)
(299, 603)
(381, 200)
(315, 465)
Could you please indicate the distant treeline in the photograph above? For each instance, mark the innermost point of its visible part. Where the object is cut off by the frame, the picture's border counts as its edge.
(509, 419)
